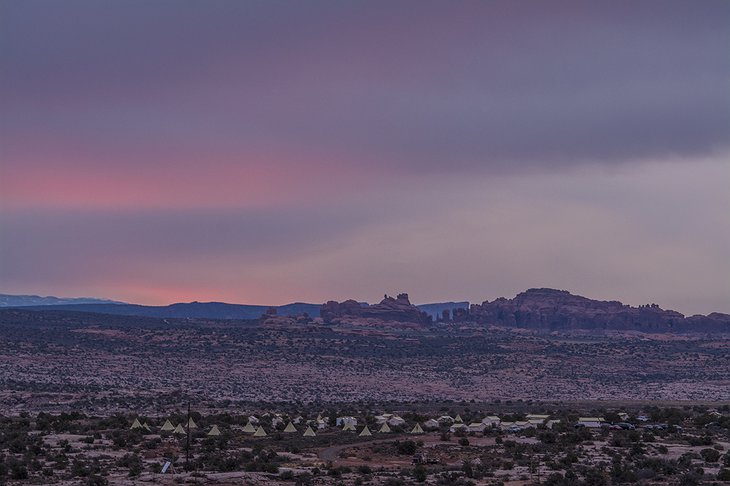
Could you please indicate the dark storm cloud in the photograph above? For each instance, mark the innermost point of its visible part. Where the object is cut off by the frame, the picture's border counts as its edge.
(422, 85)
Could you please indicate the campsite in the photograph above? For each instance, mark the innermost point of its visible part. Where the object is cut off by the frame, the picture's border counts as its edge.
(464, 443)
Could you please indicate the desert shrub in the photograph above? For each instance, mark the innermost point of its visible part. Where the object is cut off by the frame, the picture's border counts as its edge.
(18, 471)
(710, 455)
(547, 437)
(419, 473)
(723, 475)
(692, 478)
(304, 479)
(406, 447)
(96, 480)
(705, 440)
(132, 462)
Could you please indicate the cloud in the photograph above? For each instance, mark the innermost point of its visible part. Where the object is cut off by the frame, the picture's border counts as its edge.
(654, 235)
(425, 86)
(280, 151)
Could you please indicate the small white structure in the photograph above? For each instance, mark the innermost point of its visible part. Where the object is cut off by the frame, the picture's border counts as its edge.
(457, 427)
(214, 431)
(379, 419)
(384, 429)
(290, 428)
(249, 428)
(136, 424)
(477, 427)
(516, 426)
(590, 422)
(167, 426)
(431, 424)
(396, 421)
(346, 421)
(491, 420)
(309, 432)
(549, 424)
(260, 432)
(253, 420)
(365, 432)
(348, 428)
(445, 419)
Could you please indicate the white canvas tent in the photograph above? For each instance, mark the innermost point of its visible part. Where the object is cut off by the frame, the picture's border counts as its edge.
(290, 428)
(309, 432)
(167, 426)
(417, 429)
(365, 432)
(384, 428)
(249, 428)
(136, 424)
(396, 421)
(260, 432)
(214, 431)
(179, 430)
(192, 424)
(431, 424)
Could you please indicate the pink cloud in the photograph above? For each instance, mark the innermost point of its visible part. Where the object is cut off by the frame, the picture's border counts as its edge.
(177, 180)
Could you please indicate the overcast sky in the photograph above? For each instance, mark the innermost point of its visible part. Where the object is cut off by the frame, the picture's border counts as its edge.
(275, 151)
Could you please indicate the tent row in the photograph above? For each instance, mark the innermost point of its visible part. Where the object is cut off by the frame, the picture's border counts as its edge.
(260, 432)
(175, 429)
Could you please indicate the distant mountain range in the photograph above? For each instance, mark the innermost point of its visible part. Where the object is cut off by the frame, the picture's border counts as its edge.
(538, 309)
(192, 310)
(7, 300)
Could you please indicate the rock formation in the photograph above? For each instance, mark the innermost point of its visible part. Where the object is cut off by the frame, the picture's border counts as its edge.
(397, 309)
(549, 309)
(539, 309)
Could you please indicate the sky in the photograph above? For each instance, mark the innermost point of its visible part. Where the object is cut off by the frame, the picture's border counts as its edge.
(276, 151)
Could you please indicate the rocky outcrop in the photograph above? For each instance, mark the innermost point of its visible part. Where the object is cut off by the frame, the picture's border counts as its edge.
(552, 310)
(333, 309)
(538, 309)
(390, 309)
(714, 322)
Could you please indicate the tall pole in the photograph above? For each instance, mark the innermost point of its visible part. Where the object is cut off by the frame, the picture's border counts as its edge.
(187, 446)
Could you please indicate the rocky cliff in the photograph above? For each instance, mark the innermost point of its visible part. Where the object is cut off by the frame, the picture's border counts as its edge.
(549, 309)
(389, 309)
